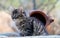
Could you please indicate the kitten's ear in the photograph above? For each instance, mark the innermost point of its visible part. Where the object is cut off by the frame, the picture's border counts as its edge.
(20, 10)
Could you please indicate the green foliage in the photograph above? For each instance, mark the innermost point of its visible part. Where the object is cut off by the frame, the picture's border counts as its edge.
(42, 4)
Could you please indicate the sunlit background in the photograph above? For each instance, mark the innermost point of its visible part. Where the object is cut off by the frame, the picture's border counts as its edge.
(49, 7)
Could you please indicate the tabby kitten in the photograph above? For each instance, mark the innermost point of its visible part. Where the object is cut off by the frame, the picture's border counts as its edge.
(28, 26)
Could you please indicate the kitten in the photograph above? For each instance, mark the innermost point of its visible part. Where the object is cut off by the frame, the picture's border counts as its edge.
(28, 26)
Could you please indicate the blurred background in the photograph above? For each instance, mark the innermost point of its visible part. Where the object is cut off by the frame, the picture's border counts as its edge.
(49, 7)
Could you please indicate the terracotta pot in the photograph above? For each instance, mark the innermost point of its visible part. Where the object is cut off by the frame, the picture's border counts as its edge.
(42, 17)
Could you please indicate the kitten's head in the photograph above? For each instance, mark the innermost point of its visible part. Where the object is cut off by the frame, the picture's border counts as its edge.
(17, 13)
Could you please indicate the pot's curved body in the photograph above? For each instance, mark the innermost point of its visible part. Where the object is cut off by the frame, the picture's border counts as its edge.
(42, 17)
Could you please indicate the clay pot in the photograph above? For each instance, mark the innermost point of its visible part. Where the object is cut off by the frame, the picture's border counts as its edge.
(42, 17)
